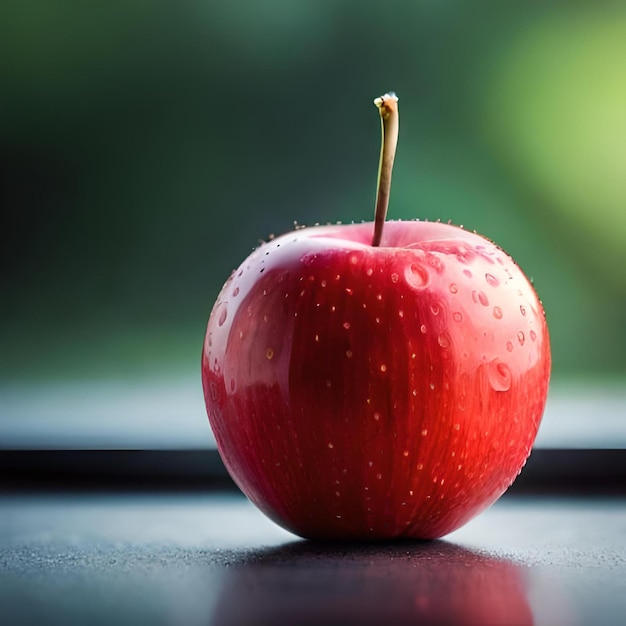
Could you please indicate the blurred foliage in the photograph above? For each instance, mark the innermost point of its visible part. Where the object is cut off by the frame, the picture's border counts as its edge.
(146, 147)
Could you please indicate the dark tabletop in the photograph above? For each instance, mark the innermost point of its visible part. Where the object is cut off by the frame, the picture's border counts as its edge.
(206, 559)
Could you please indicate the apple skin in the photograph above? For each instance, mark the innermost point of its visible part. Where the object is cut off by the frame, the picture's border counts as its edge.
(370, 393)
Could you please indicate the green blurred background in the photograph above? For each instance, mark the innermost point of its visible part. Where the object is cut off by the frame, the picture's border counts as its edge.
(146, 147)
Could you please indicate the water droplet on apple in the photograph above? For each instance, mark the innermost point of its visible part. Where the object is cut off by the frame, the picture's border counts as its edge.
(522, 309)
(443, 341)
(468, 273)
(464, 254)
(349, 291)
(457, 317)
(453, 288)
(269, 354)
(416, 276)
(223, 316)
(533, 335)
(497, 312)
(492, 280)
(509, 346)
(435, 262)
(346, 325)
(499, 375)
(423, 329)
(482, 298)
(370, 271)
(394, 278)
(236, 292)
(383, 367)
(521, 338)
(349, 353)
(434, 308)
(214, 392)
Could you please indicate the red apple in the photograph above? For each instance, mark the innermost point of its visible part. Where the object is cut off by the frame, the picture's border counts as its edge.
(376, 391)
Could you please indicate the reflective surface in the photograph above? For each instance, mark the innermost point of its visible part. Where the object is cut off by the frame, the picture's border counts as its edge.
(434, 582)
(199, 559)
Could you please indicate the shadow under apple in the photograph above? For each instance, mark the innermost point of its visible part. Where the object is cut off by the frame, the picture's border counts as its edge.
(401, 583)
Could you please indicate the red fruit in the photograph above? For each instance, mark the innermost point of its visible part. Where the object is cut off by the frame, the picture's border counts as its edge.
(373, 392)
(376, 392)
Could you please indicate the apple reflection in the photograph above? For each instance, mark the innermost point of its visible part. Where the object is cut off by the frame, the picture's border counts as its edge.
(408, 583)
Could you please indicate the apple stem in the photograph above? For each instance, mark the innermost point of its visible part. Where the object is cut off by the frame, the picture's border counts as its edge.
(388, 109)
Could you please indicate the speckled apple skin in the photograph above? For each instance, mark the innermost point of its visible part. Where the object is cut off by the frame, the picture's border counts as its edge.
(371, 393)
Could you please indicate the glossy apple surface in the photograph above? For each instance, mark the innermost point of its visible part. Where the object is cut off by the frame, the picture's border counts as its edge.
(376, 392)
